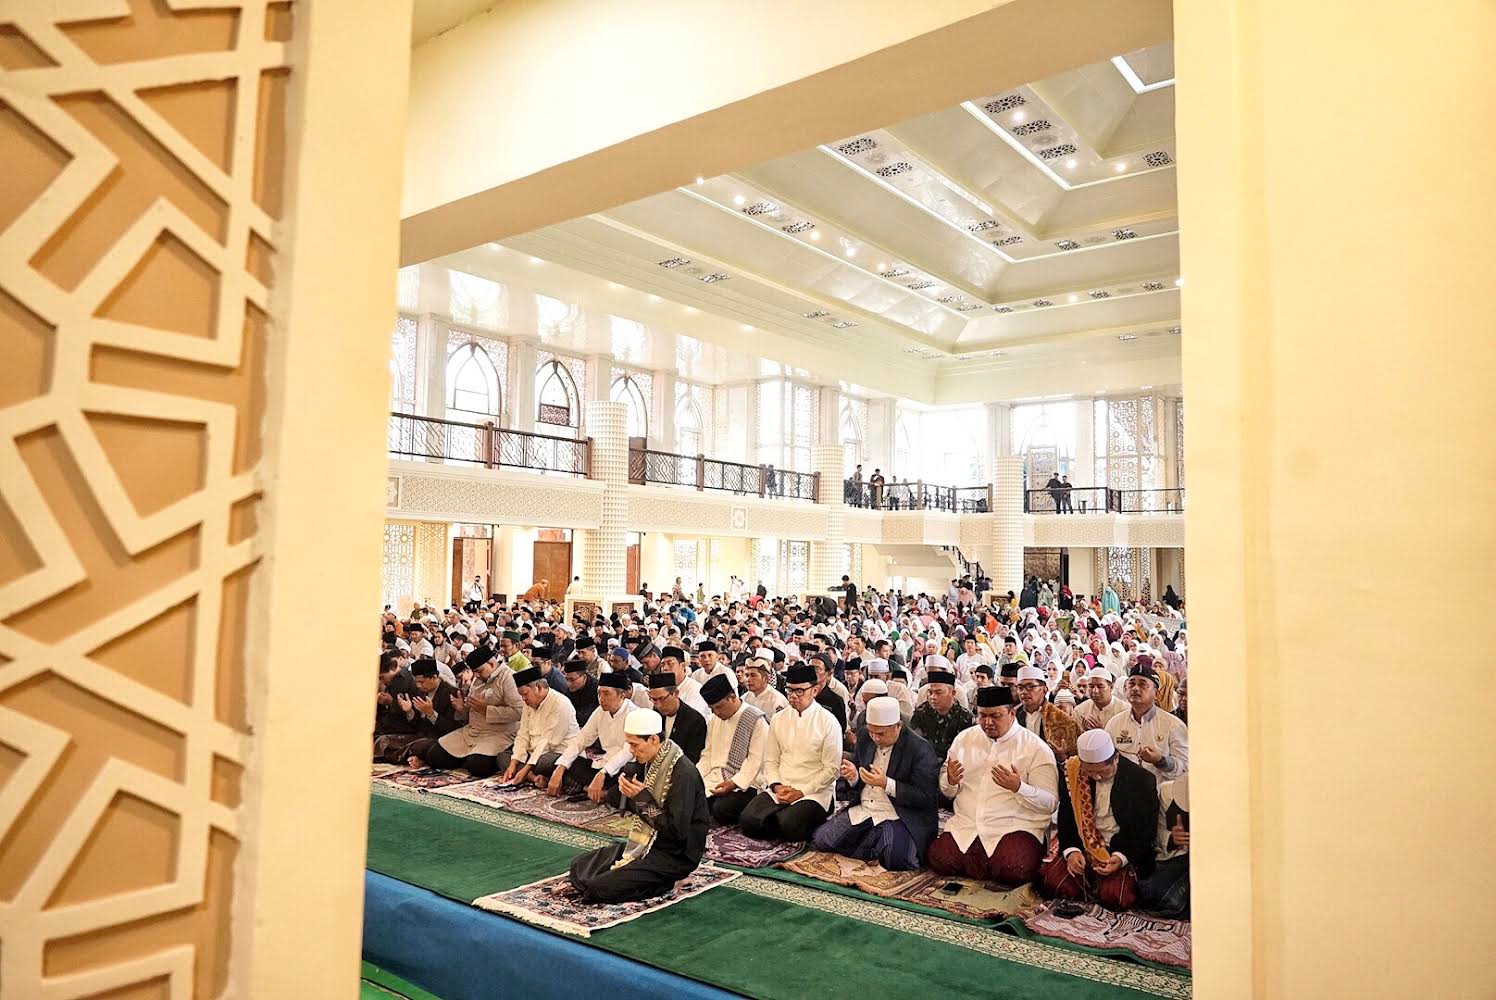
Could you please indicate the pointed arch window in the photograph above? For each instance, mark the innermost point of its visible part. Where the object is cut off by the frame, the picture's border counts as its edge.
(473, 382)
(556, 399)
(688, 427)
(626, 390)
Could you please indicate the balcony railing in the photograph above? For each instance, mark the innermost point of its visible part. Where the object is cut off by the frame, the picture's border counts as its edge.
(431, 439)
(664, 468)
(918, 495)
(1102, 500)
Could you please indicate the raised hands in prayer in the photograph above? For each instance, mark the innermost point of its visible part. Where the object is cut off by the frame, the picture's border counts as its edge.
(425, 707)
(1150, 754)
(475, 703)
(954, 772)
(404, 702)
(385, 698)
(873, 776)
(1178, 835)
(1006, 777)
(848, 771)
(1090, 722)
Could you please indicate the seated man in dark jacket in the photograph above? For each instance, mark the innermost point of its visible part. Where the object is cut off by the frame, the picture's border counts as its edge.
(890, 788)
(1108, 825)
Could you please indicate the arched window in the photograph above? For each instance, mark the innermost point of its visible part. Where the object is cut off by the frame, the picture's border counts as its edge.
(556, 399)
(472, 382)
(688, 427)
(850, 434)
(903, 448)
(626, 391)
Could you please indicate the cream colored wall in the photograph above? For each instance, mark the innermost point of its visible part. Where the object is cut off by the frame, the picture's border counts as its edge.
(519, 120)
(1082, 570)
(1328, 273)
(657, 561)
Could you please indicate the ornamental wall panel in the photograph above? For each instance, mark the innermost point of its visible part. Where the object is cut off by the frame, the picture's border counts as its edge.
(138, 231)
(1155, 531)
(496, 497)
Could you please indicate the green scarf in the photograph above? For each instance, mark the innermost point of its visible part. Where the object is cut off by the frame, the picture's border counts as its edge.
(656, 785)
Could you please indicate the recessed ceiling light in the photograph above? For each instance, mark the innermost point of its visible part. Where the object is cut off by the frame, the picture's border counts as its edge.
(747, 327)
(536, 260)
(1018, 117)
(851, 251)
(1071, 164)
(1127, 336)
(1119, 168)
(1075, 298)
(815, 234)
(738, 199)
(882, 266)
(690, 310)
(700, 180)
(1178, 282)
(614, 285)
(654, 298)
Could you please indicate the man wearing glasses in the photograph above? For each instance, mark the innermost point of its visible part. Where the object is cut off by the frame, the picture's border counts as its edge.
(801, 761)
(1039, 717)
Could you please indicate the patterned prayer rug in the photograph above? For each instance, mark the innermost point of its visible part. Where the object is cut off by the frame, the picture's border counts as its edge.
(975, 900)
(554, 904)
(531, 801)
(730, 846)
(424, 778)
(490, 793)
(614, 824)
(869, 876)
(1156, 940)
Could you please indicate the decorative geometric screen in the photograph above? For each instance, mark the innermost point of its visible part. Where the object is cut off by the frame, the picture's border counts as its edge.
(397, 569)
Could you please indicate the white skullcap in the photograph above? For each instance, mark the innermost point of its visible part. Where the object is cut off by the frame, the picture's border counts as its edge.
(1063, 697)
(1094, 746)
(883, 711)
(873, 686)
(647, 722)
(937, 662)
(764, 659)
(1100, 674)
(875, 666)
(1030, 674)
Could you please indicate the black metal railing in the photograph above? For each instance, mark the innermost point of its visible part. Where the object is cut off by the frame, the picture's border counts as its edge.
(1103, 500)
(917, 495)
(663, 468)
(974, 499)
(432, 439)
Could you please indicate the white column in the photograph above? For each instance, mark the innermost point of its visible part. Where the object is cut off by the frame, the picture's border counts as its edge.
(880, 429)
(1084, 473)
(599, 379)
(605, 548)
(828, 558)
(662, 420)
(1007, 524)
(431, 366)
(520, 407)
(1000, 428)
(828, 423)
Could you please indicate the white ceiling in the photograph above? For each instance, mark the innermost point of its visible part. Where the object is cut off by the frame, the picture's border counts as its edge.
(432, 17)
(1039, 222)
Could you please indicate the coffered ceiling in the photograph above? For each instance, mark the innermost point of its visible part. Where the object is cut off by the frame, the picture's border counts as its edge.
(1038, 222)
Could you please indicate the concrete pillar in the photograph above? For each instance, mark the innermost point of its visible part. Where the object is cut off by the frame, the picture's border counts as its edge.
(519, 409)
(662, 419)
(1006, 569)
(1000, 428)
(828, 558)
(599, 380)
(828, 415)
(605, 548)
(1084, 471)
(431, 367)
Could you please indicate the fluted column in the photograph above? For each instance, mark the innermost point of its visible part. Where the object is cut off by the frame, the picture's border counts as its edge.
(1007, 524)
(604, 556)
(828, 558)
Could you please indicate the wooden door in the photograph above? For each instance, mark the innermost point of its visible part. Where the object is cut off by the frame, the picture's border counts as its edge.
(633, 569)
(553, 563)
(470, 557)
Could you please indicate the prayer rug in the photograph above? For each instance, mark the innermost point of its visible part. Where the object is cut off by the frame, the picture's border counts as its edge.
(1166, 942)
(489, 793)
(869, 876)
(975, 900)
(531, 801)
(380, 770)
(615, 824)
(553, 903)
(424, 778)
(730, 846)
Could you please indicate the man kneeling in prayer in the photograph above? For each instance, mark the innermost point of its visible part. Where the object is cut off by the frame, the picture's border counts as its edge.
(890, 785)
(662, 795)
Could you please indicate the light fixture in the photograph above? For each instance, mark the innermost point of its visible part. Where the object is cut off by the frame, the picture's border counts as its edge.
(746, 328)
(882, 266)
(1071, 164)
(654, 298)
(614, 285)
(690, 310)
(815, 234)
(738, 199)
(1119, 168)
(535, 260)
(1018, 117)
(1074, 298)
(700, 180)
(851, 251)
(1127, 336)
(1136, 82)
(1178, 282)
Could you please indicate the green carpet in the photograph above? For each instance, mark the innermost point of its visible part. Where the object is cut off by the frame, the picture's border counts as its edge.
(760, 937)
(378, 984)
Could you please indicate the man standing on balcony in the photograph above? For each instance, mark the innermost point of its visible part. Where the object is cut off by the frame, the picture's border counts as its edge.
(876, 485)
(1068, 505)
(1056, 491)
(854, 488)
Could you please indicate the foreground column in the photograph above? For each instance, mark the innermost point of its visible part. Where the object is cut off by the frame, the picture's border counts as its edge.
(1309, 375)
(828, 558)
(191, 466)
(1007, 524)
(605, 553)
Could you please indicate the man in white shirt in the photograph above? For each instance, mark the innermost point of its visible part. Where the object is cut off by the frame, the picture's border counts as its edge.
(673, 661)
(1148, 735)
(890, 785)
(733, 758)
(1101, 707)
(760, 694)
(973, 656)
(800, 766)
(573, 770)
(546, 725)
(711, 665)
(1003, 780)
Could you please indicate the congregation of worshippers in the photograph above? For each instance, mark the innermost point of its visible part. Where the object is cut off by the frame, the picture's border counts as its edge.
(1010, 741)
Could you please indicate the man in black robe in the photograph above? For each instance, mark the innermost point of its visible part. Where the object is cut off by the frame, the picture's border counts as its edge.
(580, 689)
(683, 724)
(661, 793)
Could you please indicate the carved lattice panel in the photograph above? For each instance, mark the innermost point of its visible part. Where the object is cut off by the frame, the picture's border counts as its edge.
(138, 226)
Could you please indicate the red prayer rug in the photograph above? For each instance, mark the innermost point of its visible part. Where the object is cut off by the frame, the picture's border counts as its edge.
(423, 778)
(553, 903)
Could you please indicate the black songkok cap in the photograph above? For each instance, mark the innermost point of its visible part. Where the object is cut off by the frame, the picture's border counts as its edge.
(800, 675)
(1011, 669)
(424, 667)
(994, 697)
(673, 651)
(715, 689)
(585, 642)
(1143, 670)
(528, 676)
(706, 647)
(662, 681)
(511, 635)
(619, 682)
(480, 655)
(575, 667)
(940, 677)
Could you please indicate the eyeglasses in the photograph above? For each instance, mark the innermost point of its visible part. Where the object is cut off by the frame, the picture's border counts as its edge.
(798, 690)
